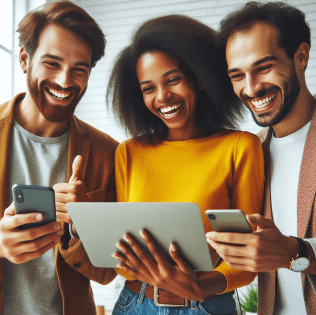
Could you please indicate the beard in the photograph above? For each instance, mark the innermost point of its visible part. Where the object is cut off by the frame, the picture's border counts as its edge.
(53, 113)
(291, 90)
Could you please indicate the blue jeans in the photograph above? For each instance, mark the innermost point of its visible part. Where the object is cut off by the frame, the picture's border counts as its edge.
(131, 303)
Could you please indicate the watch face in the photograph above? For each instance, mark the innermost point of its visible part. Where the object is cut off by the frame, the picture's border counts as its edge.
(300, 264)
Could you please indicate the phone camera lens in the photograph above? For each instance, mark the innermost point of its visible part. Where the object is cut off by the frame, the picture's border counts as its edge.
(19, 196)
(212, 216)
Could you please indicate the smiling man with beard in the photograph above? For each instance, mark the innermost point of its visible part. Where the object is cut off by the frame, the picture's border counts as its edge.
(266, 47)
(45, 270)
(265, 118)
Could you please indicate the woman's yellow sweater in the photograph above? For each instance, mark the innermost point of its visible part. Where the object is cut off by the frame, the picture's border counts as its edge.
(222, 171)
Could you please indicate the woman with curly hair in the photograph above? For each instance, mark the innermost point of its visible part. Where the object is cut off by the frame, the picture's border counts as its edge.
(170, 93)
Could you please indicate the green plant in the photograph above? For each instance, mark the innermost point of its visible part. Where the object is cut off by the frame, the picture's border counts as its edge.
(250, 305)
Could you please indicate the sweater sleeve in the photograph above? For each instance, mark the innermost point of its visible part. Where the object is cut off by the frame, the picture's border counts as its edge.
(120, 172)
(73, 251)
(246, 194)
(120, 178)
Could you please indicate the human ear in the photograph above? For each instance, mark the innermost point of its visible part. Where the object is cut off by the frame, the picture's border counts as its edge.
(23, 57)
(302, 56)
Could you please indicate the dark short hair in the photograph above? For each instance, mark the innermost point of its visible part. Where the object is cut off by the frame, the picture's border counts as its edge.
(192, 44)
(288, 20)
(65, 14)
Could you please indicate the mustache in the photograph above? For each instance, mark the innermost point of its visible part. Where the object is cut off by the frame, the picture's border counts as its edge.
(261, 93)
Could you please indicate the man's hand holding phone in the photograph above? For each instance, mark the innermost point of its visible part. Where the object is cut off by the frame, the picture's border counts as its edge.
(21, 245)
(264, 250)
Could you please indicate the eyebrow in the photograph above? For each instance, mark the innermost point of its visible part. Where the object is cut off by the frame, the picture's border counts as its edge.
(164, 75)
(80, 63)
(255, 64)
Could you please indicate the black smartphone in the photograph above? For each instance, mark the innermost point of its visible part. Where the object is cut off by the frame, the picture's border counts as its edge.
(29, 198)
(228, 220)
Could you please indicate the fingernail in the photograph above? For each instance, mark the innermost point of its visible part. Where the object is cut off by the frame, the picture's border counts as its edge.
(119, 266)
(125, 237)
(38, 217)
(115, 256)
(119, 246)
(57, 226)
(141, 233)
(173, 247)
(56, 241)
(209, 234)
(60, 232)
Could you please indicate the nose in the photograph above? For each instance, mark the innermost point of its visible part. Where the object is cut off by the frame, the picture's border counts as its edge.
(252, 86)
(163, 94)
(64, 78)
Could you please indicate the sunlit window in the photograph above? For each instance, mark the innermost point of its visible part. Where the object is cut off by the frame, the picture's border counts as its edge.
(12, 79)
(6, 23)
(6, 76)
(6, 45)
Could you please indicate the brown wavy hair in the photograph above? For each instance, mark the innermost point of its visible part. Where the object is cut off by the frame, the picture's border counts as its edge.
(288, 20)
(193, 44)
(65, 14)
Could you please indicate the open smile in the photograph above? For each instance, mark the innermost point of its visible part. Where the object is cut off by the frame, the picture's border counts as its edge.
(264, 102)
(170, 111)
(58, 95)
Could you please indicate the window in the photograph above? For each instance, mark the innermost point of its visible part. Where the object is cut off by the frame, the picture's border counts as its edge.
(12, 79)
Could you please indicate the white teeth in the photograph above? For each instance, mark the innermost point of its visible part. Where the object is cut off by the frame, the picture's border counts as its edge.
(58, 94)
(264, 102)
(166, 110)
(170, 115)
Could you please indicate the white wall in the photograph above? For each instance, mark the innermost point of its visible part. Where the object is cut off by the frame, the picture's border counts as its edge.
(118, 19)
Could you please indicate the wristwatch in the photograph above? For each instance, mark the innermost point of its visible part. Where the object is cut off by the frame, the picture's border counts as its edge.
(301, 261)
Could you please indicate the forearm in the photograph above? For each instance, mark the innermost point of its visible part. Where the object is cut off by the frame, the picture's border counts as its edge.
(213, 282)
(76, 257)
(292, 249)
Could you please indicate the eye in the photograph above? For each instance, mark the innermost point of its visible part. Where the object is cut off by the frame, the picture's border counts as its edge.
(148, 89)
(266, 67)
(173, 80)
(80, 70)
(52, 64)
(236, 77)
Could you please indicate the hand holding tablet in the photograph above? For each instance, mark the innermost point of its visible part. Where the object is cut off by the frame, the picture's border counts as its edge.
(156, 269)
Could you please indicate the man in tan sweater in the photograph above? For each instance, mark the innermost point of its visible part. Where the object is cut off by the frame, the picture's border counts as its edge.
(44, 270)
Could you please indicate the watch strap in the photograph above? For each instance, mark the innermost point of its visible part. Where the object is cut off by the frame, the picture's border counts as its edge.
(302, 248)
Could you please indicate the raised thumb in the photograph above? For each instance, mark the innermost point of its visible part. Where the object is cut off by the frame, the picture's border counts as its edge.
(257, 220)
(76, 169)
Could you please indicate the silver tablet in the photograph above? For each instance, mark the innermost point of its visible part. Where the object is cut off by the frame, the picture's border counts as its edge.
(101, 225)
